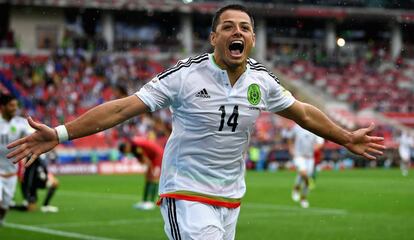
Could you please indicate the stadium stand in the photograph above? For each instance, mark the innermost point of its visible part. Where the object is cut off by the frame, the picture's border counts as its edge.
(386, 87)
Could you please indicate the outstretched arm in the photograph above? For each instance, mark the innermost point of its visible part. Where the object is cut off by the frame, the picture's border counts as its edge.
(95, 120)
(314, 120)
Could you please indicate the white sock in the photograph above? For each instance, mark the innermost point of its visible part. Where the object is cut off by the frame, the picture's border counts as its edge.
(305, 191)
(298, 180)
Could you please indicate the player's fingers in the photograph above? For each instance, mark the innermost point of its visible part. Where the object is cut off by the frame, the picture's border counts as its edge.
(16, 151)
(368, 156)
(33, 157)
(23, 154)
(376, 139)
(24, 160)
(17, 143)
(34, 124)
(375, 151)
(370, 128)
(19, 158)
(377, 146)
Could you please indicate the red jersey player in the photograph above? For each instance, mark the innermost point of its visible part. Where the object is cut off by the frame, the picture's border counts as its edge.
(149, 153)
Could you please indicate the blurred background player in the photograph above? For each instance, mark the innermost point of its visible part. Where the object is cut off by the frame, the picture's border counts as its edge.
(150, 154)
(302, 145)
(12, 127)
(37, 176)
(406, 141)
(318, 156)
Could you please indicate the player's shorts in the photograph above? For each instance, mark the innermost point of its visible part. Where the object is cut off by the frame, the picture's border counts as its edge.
(7, 189)
(304, 164)
(405, 154)
(193, 220)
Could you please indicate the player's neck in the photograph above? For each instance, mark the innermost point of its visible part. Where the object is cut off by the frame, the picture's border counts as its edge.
(233, 72)
(234, 76)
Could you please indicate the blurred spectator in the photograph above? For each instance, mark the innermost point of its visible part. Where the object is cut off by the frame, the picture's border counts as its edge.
(406, 142)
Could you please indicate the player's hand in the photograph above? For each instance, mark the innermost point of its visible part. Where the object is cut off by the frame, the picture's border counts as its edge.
(365, 145)
(29, 148)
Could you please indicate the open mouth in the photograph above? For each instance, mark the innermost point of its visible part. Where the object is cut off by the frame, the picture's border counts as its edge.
(236, 48)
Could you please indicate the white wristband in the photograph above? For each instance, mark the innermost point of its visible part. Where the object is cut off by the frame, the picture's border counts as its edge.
(62, 133)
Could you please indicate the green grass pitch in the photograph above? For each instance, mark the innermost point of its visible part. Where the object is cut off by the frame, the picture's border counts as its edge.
(353, 204)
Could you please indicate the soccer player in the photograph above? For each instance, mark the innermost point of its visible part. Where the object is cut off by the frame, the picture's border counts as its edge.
(12, 127)
(302, 145)
(36, 176)
(150, 154)
(406, 141)
(215, 99)
(317, 156)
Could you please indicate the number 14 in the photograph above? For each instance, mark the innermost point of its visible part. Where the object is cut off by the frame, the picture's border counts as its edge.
(232, 121)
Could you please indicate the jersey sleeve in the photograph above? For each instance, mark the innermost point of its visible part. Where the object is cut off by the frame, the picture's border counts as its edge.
(278, 97)
(158, 94)
(319, 140)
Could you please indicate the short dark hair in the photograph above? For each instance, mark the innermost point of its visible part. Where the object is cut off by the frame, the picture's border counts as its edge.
(238, 7)
(6, 98)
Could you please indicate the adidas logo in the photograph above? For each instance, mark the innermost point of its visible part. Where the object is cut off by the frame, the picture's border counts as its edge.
(203, 94)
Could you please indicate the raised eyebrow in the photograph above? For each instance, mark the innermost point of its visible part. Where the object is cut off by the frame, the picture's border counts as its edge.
(231, 22)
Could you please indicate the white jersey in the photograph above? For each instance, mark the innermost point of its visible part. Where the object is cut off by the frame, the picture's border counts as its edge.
(212, 121)
(405, 143)
(10, 131)
(304, 142)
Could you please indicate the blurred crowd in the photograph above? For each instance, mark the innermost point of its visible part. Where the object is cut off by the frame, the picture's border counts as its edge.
(364, 77)
(55, 88)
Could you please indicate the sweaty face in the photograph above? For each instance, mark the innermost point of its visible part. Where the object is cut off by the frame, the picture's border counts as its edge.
(9, 110)
(233, 39)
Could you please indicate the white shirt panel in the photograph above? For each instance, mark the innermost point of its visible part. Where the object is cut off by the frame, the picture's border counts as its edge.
(10, 131)
(304, 142)
(211, 122)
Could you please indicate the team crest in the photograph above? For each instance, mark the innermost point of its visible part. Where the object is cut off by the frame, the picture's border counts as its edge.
(13, 129)
(254, 94)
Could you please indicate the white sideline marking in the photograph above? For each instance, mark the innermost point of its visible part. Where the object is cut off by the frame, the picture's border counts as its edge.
(279, 209)
(244, 204)
(100, 195)
(54, 232)
(102, 223)
(267, 206)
